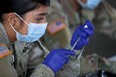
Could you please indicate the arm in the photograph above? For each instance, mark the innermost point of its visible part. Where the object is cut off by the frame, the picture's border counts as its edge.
(81, 36)
(35, 66)
(6, 69)
(53, 63)
(42, 71)
(57, 58)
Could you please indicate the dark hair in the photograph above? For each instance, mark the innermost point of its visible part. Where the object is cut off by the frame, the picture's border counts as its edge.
(20, 6)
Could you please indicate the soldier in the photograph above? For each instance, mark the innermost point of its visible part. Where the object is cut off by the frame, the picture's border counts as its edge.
(58, 34)
(104, 21)
(72, 8)
(79, 10)
(94, 63)
(64, 17)
(22, 24)
(106, 16)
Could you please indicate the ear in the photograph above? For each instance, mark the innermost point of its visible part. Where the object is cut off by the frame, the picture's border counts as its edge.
(11, 18)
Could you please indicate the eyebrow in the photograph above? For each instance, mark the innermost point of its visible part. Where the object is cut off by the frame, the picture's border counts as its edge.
(42, 14)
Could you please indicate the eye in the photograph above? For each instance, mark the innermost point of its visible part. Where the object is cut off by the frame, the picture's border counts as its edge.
(39, 19)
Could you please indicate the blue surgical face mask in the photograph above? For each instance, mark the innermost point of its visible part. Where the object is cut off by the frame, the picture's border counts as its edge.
(90, 4)
(35, 31)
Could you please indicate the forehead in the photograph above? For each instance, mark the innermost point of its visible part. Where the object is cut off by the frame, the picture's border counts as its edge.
(42, 8)
(38, 10)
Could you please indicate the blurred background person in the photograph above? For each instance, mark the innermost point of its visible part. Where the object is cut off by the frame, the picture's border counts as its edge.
(64, 16)
(74, 13)
(103, 42)
(58, 34)
(79, 10)
(22, 24)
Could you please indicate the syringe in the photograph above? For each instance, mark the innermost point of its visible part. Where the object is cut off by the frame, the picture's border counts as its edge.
(75, 44)
(81, 51)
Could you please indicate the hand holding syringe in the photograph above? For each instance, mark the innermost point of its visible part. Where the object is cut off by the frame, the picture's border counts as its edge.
(81, 36)
(81, 51)
(78, 41)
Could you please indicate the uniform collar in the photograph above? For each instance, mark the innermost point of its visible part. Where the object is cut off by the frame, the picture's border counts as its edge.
(4, 35)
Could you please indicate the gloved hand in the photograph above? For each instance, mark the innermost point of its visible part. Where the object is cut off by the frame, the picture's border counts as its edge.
(57, 58)
(90, 4)
(83, 32)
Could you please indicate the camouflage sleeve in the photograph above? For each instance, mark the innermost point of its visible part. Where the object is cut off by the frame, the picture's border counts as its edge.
(113, 66)
(36, 58)
(72, 68)
(77, 67)
(6, 69)
(109, 65)
(42, 71)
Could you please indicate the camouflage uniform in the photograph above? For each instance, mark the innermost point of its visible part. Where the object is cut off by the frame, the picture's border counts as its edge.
(105, 19)
(21, 59)
(105, 22)
(94, 62)
(25, 59)
(73, 15)
(58, 34)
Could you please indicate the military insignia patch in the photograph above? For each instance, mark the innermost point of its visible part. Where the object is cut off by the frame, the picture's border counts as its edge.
(4, 51)
(56, 26)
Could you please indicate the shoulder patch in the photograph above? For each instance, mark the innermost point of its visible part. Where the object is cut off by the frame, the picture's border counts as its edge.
(4, 51)
(56, 26)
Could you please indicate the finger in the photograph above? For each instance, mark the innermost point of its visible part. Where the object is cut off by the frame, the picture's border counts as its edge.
(82, 33)
(79, 32)
(68, 52)
(85, 41)
(89, 24)
(79, 44)
(89, 32)
(65, 58)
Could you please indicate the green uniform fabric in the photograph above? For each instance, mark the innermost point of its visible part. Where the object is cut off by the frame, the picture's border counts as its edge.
(29, 57)
(61, 38)
(63, 11)
(105, 19)
(92, 62)
(26, 56)
(73, 15)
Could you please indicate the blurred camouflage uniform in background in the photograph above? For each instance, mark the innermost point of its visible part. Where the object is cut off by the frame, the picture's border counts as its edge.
(58, 34)
(63, 20)
(75, 13)
(104, 22)
(105, 18)
(61, 37)
(92, 62)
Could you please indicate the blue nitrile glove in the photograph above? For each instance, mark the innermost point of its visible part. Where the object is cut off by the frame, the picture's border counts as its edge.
(83, 32)
(90, 4)
(57, 58)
